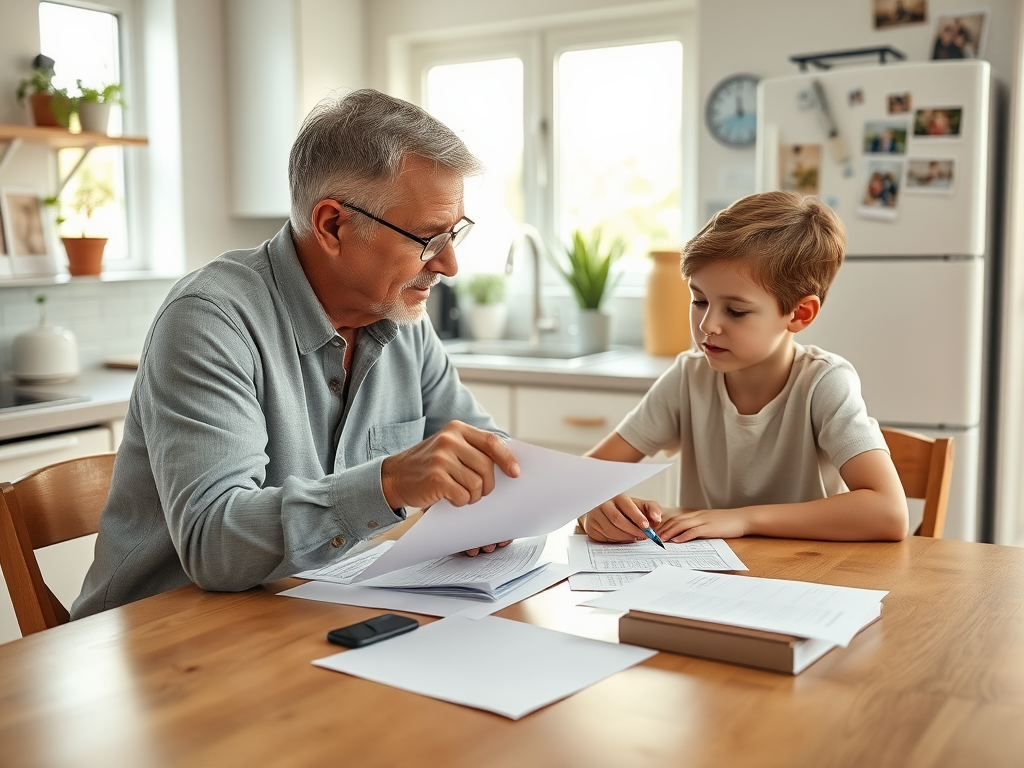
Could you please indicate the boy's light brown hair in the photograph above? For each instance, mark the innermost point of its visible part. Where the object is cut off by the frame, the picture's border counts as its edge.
(792, 244)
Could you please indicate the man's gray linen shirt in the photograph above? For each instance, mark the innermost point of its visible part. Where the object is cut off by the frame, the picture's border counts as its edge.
(246, 456)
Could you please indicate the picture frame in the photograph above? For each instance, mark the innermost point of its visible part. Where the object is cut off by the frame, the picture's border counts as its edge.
(27, 232)
(960, 35)
(937, 123)
(931, 175)
(894, 13)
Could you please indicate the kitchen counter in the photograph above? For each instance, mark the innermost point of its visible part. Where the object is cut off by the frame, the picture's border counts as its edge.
(106, 392)
(624, 369)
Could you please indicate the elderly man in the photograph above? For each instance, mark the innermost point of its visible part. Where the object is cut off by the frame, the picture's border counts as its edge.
(293, 399)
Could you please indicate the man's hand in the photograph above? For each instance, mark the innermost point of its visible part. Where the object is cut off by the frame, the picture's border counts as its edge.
(489, 548)
(456, 463)
(704, 524)
(621, 518)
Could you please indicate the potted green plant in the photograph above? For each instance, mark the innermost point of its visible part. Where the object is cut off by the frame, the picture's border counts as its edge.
(85, 252)
(587, 269)
(487, 310)
(93, 105)
(50, 106)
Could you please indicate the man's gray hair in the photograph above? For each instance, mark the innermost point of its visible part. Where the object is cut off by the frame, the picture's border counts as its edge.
(351, 149)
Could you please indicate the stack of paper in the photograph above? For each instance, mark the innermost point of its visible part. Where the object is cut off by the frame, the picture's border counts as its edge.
(605, 567)
(770, 623)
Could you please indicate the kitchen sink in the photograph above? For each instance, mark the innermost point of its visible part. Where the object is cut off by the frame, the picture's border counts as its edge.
(512, 351)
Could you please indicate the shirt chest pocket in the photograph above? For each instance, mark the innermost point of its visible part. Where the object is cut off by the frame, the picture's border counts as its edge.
(389, 439)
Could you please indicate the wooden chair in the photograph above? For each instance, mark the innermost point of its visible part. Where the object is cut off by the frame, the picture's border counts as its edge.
(47, 506)
(925, 467)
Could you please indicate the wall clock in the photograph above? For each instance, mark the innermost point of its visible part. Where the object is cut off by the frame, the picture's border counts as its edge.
(731, 111)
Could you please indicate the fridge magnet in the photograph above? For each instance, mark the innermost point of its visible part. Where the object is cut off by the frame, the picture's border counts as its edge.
(937, 123)
(960, 35)
(931, 175)
(899, 103)
(881, 196)
(887, 137)
(800, 168)
(855, 97)
(29, 241)
(893, 13)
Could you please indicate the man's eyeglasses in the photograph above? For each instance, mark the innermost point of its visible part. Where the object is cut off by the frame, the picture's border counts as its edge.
(431, 246)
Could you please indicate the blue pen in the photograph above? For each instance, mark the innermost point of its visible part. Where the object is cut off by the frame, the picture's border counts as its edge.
(650, 534)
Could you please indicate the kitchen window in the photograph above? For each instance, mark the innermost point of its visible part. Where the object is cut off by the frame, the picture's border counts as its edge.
(578, 128)
(86, 44)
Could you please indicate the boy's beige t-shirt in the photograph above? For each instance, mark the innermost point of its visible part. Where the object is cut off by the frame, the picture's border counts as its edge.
(790, 451)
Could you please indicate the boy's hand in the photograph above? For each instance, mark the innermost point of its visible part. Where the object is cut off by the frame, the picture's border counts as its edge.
(621, 518)
(704, 524)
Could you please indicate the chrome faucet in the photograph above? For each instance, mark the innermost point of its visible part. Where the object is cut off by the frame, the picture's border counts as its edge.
(538, 322)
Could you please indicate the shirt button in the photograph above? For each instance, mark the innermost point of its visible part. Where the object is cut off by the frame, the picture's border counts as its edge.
(373, 524)
(335, 385)
(338, 542)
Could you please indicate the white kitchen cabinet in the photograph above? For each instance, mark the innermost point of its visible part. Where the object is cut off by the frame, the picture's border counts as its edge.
(496, 399)
(283, 57)
(63, 565)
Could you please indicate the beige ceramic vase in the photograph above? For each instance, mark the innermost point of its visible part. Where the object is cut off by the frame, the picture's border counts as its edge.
(666, 307)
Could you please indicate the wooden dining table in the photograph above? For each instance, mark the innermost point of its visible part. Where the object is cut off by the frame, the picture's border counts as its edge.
(193, 678)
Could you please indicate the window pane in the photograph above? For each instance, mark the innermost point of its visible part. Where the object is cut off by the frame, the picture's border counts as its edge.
(84, 45)
(619, 113)
(482, 101)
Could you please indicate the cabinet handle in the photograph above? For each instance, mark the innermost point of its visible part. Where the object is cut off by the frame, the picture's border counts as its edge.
(585, 421)
(35, 447)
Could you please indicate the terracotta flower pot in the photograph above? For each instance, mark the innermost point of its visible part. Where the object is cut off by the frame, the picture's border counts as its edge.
(85, 254)
(43, 113)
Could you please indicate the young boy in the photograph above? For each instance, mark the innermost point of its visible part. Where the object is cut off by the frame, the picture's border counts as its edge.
(771, 434)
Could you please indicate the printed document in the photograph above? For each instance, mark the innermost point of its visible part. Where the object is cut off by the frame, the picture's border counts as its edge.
(497, 665)
(551, 490)
(344, 570)
(600, 582)
(644, 556)
(800, 608)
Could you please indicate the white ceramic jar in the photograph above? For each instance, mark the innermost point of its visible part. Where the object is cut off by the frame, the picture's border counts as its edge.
(46, 353)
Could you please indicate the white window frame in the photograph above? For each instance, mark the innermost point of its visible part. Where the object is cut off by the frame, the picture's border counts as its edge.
(132, 125)
(539, 48)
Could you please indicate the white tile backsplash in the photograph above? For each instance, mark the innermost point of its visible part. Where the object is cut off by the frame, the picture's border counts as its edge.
(107, 318)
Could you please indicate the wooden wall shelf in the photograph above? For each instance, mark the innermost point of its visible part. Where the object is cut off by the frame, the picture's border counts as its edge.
(61, 138)
(13, 136)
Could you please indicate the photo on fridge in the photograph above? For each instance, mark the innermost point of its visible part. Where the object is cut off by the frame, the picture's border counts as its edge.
(960, 35)
(899, 103)
(931, 175)
(937, 122)
(800, 168)
(893, 13)
(881, 196)
(888, 137)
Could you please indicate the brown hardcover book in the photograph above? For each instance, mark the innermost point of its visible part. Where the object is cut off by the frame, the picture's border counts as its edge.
(723, 642)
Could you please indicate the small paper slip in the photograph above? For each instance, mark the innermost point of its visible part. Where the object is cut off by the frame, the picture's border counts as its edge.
(601, 582)
(552, 489)
(488, 576)
(498, 665)
(796, 608)
(343, 571)
(644, 556)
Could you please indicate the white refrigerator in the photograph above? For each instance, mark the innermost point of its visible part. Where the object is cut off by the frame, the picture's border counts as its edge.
(904, 153)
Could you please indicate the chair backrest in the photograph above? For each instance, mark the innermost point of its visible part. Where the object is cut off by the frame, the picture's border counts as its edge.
(925, 467)
(47, 506)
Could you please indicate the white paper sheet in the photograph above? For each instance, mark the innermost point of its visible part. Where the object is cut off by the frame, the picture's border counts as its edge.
(493, 664)
(485, 575)
(601, 582)
(429, 605)
(552, 489)
(797, 608)
(644, 556)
